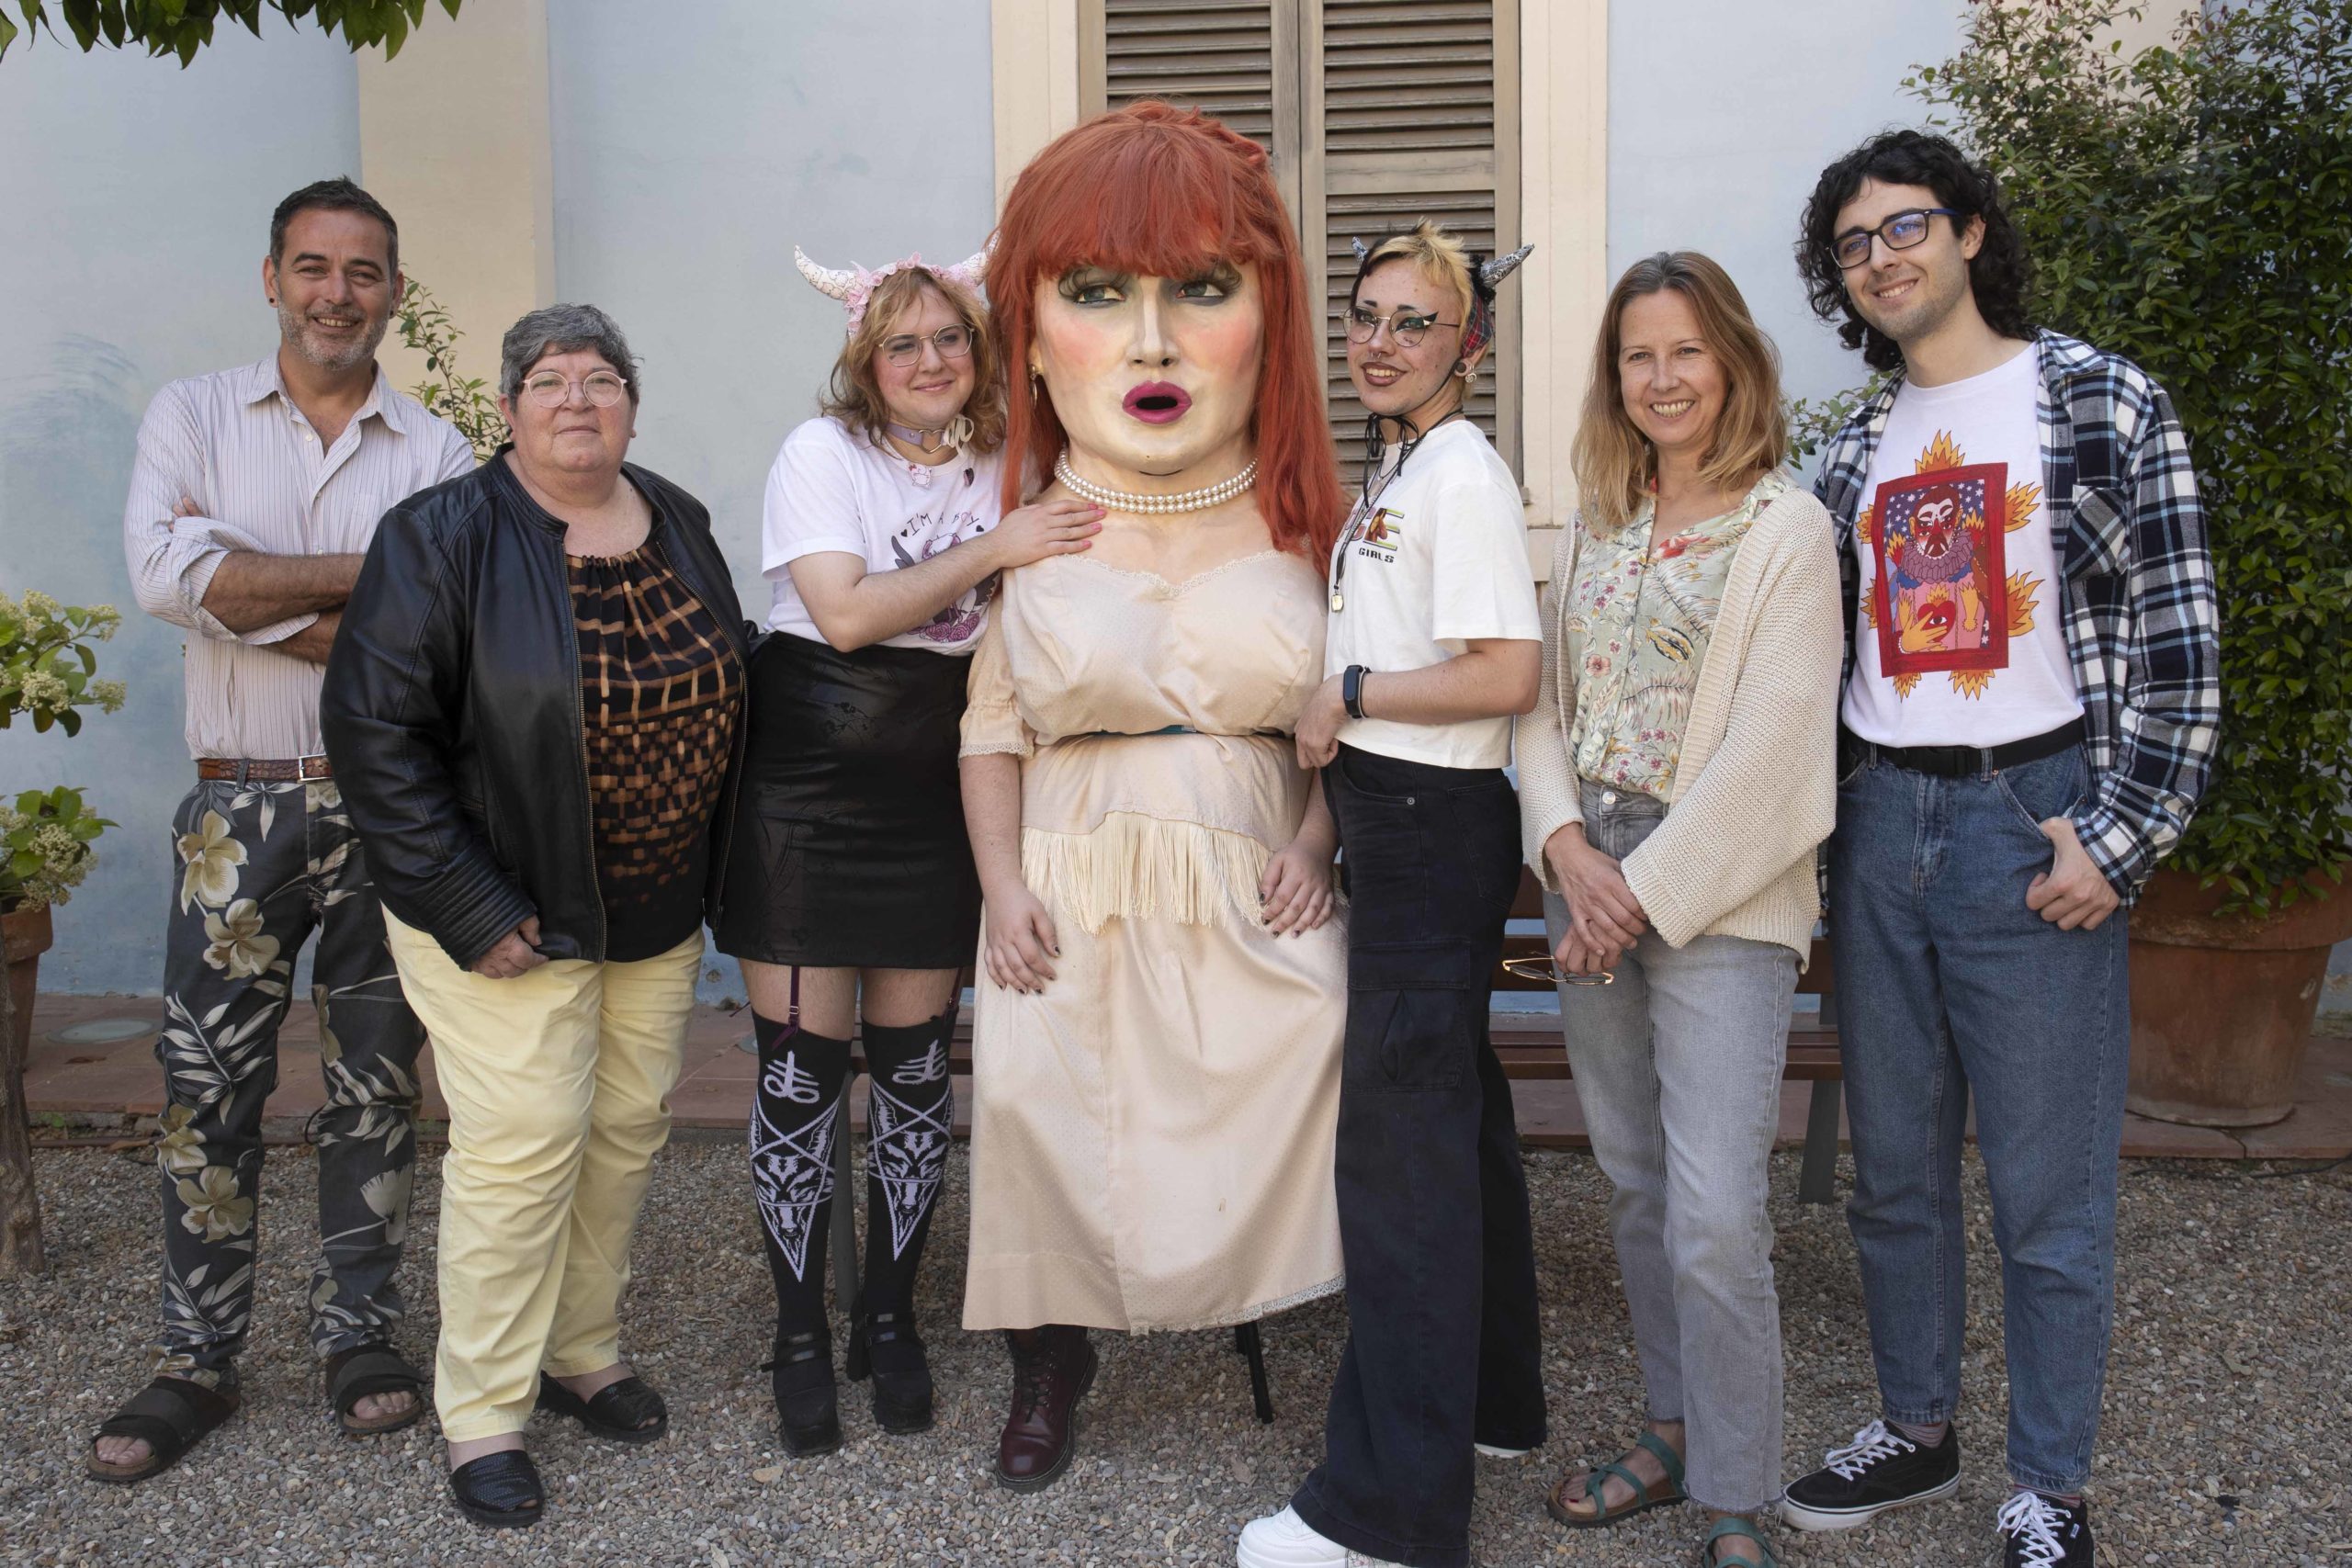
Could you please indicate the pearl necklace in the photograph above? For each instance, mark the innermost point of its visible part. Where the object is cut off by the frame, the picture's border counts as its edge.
(1154, 505)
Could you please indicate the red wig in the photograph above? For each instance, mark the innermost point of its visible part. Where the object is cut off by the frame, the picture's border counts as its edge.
(1162, 192)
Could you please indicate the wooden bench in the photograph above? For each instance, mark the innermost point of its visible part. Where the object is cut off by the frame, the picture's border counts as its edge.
(1531, 1050)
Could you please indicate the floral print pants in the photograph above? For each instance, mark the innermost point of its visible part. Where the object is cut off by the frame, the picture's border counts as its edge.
(261, 866)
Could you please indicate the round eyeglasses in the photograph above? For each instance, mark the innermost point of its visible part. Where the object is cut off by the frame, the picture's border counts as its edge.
(1901, 231)
(953, 342)
(1407, 327)
(546, 390)
(1544, 969)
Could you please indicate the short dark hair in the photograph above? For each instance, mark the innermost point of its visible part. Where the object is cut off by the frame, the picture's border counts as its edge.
(337, 194)
(1998, 274)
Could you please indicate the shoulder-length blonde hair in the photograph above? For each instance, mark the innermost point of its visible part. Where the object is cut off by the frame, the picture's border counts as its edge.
(855, 396)
(1616, 465)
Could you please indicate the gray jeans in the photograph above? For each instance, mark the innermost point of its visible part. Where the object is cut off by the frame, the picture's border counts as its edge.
(1678, 1069)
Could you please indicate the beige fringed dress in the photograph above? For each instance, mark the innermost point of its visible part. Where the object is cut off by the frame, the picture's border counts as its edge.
(1151, 1135)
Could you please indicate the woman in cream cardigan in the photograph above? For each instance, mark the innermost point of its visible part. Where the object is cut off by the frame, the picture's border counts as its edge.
(1675, 777)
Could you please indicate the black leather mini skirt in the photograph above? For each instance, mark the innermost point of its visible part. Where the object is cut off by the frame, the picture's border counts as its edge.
(849, 848)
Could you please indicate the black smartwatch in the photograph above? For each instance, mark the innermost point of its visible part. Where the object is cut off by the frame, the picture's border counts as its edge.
(1351, 690)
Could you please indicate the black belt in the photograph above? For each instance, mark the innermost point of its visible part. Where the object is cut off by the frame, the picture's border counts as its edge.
(1961, 761)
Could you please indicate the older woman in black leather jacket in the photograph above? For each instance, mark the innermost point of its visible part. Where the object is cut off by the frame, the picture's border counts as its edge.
(532, 710)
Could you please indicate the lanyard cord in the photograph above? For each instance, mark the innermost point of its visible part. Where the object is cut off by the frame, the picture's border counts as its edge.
(1374, 449)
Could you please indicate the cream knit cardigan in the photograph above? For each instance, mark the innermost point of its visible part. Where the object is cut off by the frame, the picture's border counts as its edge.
(1755, 789)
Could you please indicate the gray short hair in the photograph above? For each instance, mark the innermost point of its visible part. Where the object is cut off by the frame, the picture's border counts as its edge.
(562, 329)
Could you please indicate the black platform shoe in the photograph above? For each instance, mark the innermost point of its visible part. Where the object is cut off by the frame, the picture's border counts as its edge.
(886, 1346)
(807, 1407)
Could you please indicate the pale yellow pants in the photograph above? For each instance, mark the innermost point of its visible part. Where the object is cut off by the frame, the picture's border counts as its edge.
(559, 1087)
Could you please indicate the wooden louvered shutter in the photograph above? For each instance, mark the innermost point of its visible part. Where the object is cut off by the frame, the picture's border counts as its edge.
(1376, 113)
(1235, 59)
(1411, 111)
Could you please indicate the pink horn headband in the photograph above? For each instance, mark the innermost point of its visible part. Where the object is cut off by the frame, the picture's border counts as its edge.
(855, 286)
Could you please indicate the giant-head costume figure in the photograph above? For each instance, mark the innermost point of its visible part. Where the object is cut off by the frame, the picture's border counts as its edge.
(1156, 325)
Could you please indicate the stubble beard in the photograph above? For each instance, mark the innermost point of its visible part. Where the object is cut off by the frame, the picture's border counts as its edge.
(294, 330)
(1925, 316)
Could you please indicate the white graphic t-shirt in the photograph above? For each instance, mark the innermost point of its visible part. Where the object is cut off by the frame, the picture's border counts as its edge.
(1957, 639)
(1437, 558)
(832, 490)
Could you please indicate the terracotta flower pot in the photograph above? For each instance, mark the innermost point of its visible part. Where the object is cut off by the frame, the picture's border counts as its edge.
(2221, 1009)
(25, 935)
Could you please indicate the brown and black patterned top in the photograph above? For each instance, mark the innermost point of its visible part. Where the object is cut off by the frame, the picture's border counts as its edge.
(661, 692)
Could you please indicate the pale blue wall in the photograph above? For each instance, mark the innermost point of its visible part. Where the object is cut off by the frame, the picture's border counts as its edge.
(135, 201)
(689, 157)
(1721, 116)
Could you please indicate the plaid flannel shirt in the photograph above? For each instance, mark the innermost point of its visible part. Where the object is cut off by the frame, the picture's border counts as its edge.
(2142, 622)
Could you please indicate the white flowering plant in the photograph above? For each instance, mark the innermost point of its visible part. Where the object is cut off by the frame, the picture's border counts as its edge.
(49, 672)
(48, 668)
(45, 838)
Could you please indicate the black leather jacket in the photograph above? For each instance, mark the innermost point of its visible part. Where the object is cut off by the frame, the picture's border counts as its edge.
(452, 711)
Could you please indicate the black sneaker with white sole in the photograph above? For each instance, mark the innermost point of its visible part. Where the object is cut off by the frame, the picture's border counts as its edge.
(1880, 1468)
(2042, 1532)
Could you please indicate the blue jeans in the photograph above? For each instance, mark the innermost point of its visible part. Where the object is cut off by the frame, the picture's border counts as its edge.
(1678, 1069)
(1949, 985)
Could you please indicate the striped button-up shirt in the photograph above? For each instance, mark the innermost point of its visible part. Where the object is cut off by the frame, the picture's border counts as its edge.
(2139, 612)
(236, 444)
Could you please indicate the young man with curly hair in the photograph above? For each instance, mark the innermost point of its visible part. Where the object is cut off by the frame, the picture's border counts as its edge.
(2030, 703)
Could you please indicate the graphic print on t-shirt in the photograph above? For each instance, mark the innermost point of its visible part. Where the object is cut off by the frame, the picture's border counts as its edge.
(1382, 535)
(1942, 598)
(960, 621)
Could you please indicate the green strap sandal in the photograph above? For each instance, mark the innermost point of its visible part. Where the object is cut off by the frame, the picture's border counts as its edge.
(1645, 1496)
(1745, 1531)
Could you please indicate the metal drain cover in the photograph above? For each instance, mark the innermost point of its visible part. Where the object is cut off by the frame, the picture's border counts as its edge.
(103, 1031)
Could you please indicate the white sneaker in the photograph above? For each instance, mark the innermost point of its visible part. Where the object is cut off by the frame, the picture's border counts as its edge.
(1489, 1451)
(1285, 1541)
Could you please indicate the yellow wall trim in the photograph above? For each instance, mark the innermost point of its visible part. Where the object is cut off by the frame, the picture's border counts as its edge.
(1034, 64)
(455, 140)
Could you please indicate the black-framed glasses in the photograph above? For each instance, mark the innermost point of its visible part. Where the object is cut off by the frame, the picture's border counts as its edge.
(546, 390)
(953, 342)
(1901, 231)
(1406, 326)
(1544, 969)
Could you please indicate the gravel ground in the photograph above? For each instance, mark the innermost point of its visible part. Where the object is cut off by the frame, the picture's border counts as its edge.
(2227, 1440)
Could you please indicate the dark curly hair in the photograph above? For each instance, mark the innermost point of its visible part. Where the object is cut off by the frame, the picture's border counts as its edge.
(1998, 274)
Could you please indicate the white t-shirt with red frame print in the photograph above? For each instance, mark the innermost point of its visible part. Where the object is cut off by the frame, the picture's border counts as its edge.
(1957, 636)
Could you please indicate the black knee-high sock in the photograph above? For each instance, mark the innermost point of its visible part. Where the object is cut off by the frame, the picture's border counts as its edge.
(795, 1117)
(910, 1110)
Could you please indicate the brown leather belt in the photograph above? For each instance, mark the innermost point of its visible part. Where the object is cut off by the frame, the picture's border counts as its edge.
(262, 770)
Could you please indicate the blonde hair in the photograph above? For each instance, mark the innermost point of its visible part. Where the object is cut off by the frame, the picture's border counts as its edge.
(855, 398)
(1437, 255)
(1616, 465)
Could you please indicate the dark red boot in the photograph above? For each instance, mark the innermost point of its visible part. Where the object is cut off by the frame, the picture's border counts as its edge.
(1052, 1369)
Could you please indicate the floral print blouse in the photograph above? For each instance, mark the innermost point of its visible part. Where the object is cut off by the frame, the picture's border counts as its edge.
(1634, 632)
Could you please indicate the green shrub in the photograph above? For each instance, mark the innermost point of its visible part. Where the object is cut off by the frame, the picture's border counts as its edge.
(424, 326)
(2191, 208)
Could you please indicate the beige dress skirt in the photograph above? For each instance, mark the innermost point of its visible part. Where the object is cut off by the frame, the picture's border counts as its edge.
(1152, 1134)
